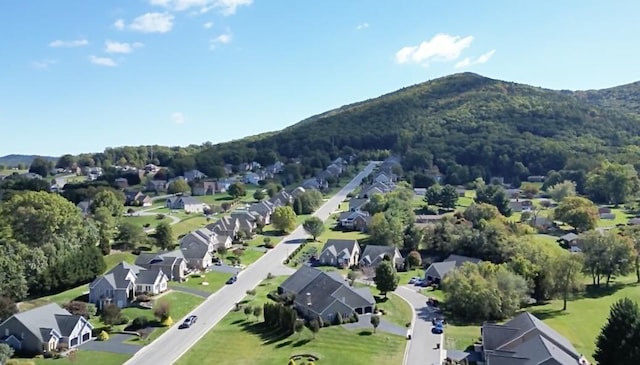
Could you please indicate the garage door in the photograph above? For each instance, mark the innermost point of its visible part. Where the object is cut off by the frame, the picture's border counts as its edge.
(86, 337)
(74, 342)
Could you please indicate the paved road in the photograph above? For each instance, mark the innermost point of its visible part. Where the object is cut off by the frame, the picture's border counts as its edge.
(422, 346)
(174, 343)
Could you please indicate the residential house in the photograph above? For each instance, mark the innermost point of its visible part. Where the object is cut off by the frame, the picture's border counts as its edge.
(356, 204)
(247, 221)
(186, 203)
(156, 185)
(356, 221)
(569, 239)
(123, 283)
(526, 340)
(193, 175)
(439, 270)
(223, 185)
(199, 246)
(297, 192)
(373, 255)
(44, 329)
(384, 177)
(324, 294)
(536, 178)
(515, 206)
(282, 198)
(226, 226)
(334, 169)
(340, 253)
(137, 199)
(317, 183)
(121, 182)
(263, 209)
(172, 264)
(253, 178)
(204, 187)
(634, 222)
(367, 191)
(85, 207)
(424, 220)
(420, 191)
(151, 168)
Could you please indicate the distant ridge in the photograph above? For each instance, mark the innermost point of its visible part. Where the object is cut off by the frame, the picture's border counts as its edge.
(15, 160)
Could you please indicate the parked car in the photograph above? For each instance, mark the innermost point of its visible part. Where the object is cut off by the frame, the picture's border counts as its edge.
(418, 282)
(232, 280)
(438, 329)
(218, 263)
(414, 279)
(189, 321)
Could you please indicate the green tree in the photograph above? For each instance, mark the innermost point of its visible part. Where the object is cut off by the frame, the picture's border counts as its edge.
(448, 197)
(562, 190)
(130, 235)
(386, 231)
(612, 183)
(111, 200)
(6, 352)
(386, 278)
(494, 195)
(432, 195)
(313, 226)
(531, 260)
(377, 204)
(247, 311)
(258, 194)
(310, 200)
(13, 282)
(41, 166)
(65, 161)
(236, 190)
(530, 191)
(298, 326)
(106, 228)
(111, 315)
(7, 308)
(273, 189)
(164, 236)
(284, 219)
(577, 212)
(257, 312)
(352, 276)
(178, 186)
(314, 326)
(566, 271)
(414, 259)
(606, 255)
(633, 234)
(476, 213)
(616, 344)
(375, 322)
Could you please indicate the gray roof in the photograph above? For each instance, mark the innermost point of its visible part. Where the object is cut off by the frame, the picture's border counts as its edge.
(526, 340)
(355, 203)
(441, 269)
(117, 276)
(320, 291)
(187, 200)
(148, 276)
(569, 237)
(339, 247)
(42, 320)
(373, 254)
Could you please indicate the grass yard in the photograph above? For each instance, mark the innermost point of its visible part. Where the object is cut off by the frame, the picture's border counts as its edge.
(189, 224)
(249, 257)
(84, 358)
(220, 198)
(580, 323)
(115, 258)
(214, 279)
(622, 217)
(396, 309)
(237, 340)
(142, 220)
(273, 235)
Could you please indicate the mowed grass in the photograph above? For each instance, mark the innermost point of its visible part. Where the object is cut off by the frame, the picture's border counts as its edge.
(248, 257)
(189, 224)
(84, 358)
(580, 323)
(396, 309)
(115, 258)
(214, 279)
(622, 217)
(142, 220)
(237, 340)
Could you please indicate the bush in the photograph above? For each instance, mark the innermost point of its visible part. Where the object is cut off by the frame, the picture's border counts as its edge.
(273, 295)
(291, 362)
(337, 319)
(167, 322)
(160, 216)
(143, 298)
(103, 336)
(269, 245)
(269, 276)
(139, 322)
(251, 292)
(146, 225)
(122, 320)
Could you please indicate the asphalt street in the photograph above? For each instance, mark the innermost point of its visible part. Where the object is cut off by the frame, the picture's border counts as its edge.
(169, 347)
(423, 344)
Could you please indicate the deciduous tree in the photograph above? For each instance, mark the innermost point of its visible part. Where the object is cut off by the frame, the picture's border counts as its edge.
(7, 308)
(562, 190)
(236, 190)
(6, 352)
(164, 236)
(130, 235)
(375, 322)
(566, 273)
(606, 254)
(313, 226)
(494, 195)
(284, 219)
(258, 194)
(386, 278)
(178, 186)
(612, 183)
(577, 212)
(414, 259)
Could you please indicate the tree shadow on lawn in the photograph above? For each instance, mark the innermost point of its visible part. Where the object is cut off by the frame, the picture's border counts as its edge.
(301, 342)
(594, 292)
(273, 233)
(365, 333)
(267, 335)
(380, 299)
(545, 314)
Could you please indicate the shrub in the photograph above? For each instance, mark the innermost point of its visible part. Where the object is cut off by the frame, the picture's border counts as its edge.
(251, 292)
(167, 322)
(103, 336)
(146, 225)
(273, 295)
(122, 320)
(291, 362)
(62, 347)
(143, 298)
(139, 322)
(354, 317)
(269, 276)
(269, 245)
(160, 216)
(337, 319)
(245, 243)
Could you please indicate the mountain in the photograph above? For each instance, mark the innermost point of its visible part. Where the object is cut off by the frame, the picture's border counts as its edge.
(15, 160)
(470, 124)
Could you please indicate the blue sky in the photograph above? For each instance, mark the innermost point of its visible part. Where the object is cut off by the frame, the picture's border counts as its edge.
(81, 75)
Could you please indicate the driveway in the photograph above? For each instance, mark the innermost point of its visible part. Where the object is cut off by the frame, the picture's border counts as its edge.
(168, 348)
(224, 268)
(422, 346)
(364, 322)
(115, 344)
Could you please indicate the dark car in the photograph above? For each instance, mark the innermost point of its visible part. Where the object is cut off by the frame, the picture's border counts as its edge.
(189, 321)
(232, 280)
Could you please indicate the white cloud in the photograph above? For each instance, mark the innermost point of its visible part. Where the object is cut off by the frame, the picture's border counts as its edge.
(153, 23)
(223, 38)
(43, 64)
(362, 26)
(225, 7)
(103, 61)
(178, 118)
(119, 24)
(121, 47)
(483, 58)
(208, 25)
(442, 47)
(75, 43)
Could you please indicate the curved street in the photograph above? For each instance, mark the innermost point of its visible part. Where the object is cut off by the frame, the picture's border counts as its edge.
(169, 347)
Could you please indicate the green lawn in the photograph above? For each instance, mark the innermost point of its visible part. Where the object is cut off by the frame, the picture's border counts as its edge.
(220, 198)
(274, 236)
(142, 220)
(247, 258)
(115, 258)
(189, 224)
(214, 279)
(84, 358)
(580, 323)
(396, 309)
(238, 340)
(622, 217)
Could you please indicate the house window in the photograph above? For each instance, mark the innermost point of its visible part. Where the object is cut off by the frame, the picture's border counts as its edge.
(332, 260)
(6, 331)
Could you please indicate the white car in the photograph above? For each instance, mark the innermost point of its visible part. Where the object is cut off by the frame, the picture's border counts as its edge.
(239, 266)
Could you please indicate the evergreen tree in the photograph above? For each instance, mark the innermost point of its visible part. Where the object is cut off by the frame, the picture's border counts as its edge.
(615, 344)
(386, 278)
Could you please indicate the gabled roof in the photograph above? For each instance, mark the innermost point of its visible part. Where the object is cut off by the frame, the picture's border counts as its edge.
(41, 321)
(340, 247)
(441, 269)
(528, 341)
(300, 279)
(118, 276)
(149, 277)
(187, 200)
(356, 203)
(569, 237)
(373, 254)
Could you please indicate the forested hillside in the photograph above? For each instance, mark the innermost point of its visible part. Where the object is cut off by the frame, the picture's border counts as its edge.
(466, 125)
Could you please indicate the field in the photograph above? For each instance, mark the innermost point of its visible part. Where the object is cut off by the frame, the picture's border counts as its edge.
(238, 340)
(580, 323)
